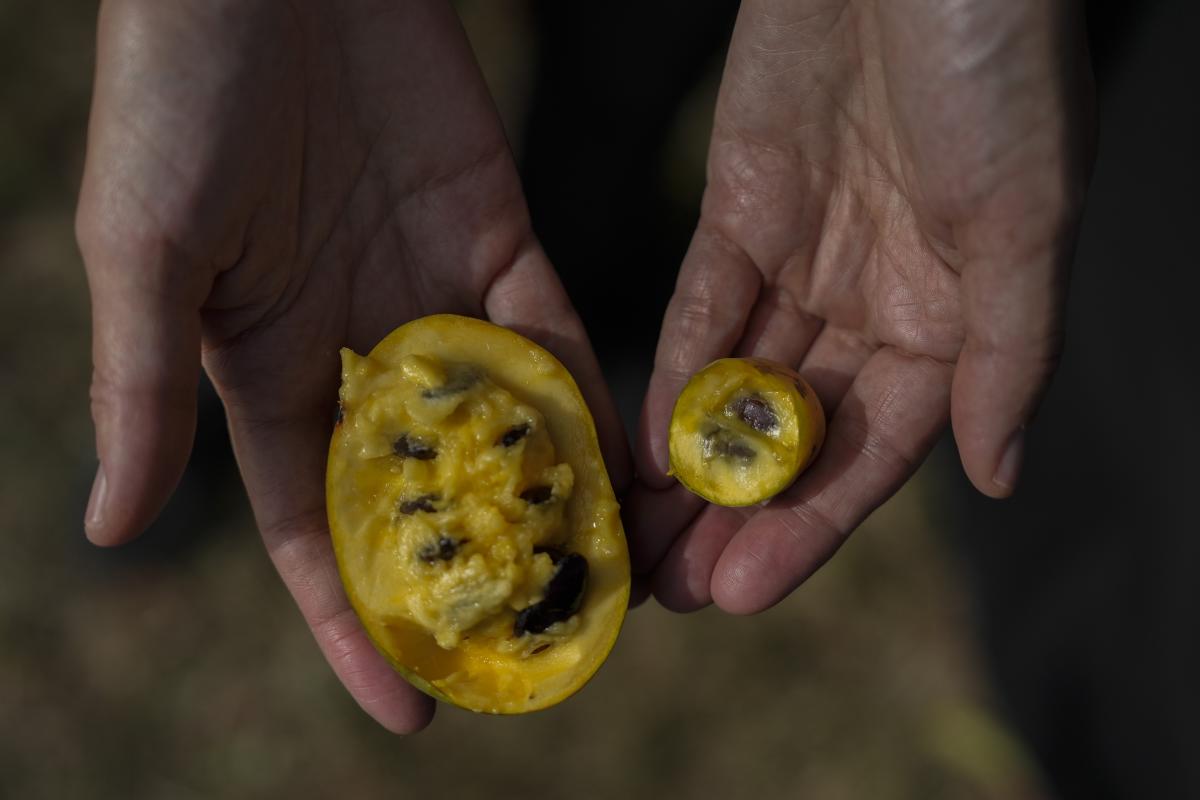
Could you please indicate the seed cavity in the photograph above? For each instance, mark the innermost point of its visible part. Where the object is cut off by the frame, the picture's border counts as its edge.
(513, 435)
(537, 495)
(443, 549)
(423, 503)
(459, 381)
(564, 595)
(413, 447)
(724, 443)
(755, 412)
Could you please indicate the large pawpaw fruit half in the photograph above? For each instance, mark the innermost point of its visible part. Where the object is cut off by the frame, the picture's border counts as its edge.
(476, 531)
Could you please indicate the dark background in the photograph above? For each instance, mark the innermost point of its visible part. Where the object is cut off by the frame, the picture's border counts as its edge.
(957, 647)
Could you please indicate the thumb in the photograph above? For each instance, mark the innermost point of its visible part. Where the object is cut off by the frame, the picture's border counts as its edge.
(146, 360)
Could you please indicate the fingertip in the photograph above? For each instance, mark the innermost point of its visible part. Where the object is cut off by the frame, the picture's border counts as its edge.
(408, 711)
(728, 588)
(678, 593)
(652, 446)
(1008, 470)
(94, 516)
(639, 591)
(144, 442)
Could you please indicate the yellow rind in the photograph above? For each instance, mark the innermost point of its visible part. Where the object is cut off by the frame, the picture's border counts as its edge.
(804, 404)
(535, 376)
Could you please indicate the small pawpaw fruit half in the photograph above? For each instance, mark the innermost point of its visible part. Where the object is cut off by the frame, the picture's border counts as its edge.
(743, 429)
(475, 528)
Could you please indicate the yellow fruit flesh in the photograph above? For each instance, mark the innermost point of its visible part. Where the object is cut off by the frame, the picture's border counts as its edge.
(447, 481)
(742, 430)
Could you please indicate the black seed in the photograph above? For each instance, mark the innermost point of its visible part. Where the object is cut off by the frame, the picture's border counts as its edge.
(338, 415)
(412, 447)
(755, 412)
(461, 380)
(727, 444)
(443, 549)
(537, 495)
(734, 449)
(541, 648)
(513, 435)
(564, 595)
(423, 503)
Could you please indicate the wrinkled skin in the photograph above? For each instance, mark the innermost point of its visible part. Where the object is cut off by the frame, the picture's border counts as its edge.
(265, 184)
(893, 194)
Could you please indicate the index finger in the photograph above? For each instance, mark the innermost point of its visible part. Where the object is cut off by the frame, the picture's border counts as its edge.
(717, 286)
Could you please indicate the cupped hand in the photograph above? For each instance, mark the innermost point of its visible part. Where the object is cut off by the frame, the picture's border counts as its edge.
(265, 183)
(893, 192)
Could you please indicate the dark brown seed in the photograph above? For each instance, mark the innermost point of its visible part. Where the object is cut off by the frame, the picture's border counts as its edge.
(461, 380)
(537, 495)
(513, 435)
(423, 503)
(727, 444)
(412, 447)
(755, 412)
(443, 549)
(564, 596)
(541, 648)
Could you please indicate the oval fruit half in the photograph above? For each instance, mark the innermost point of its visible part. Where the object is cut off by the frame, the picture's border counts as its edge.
(476, 531)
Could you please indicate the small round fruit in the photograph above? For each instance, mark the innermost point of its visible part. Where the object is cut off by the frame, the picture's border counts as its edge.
(476, 532)
(743, 429)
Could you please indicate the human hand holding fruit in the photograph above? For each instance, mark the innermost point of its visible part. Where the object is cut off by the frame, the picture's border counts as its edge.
(266, 183)
(892, 198)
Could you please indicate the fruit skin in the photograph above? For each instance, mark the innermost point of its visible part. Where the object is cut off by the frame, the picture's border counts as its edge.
(708, 396)
(469, 676)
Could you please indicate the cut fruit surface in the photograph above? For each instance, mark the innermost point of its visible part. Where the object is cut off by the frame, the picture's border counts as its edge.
(743, 429)
(476, 531)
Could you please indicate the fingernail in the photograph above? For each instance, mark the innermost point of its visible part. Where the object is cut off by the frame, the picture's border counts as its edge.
(95, 507)
(1009, 468)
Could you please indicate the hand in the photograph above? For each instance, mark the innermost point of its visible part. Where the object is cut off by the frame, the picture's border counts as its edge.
(893, 192)
(268, 182)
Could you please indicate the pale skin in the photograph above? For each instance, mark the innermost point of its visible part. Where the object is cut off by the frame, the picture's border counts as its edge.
(893, 193)
(266, 183)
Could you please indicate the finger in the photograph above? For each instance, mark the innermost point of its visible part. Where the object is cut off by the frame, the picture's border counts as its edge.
(282, 459)
(779, 329)
(717, 286)
(146, 369)
(653, 518)
(1013, 316)
(683, 581)
(639, 591)
(884, 427)
(528, 297)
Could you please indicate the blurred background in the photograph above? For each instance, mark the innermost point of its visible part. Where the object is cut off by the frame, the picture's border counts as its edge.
(956, 648)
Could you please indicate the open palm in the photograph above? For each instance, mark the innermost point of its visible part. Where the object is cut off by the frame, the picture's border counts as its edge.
(265, 184)
(892, 197)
